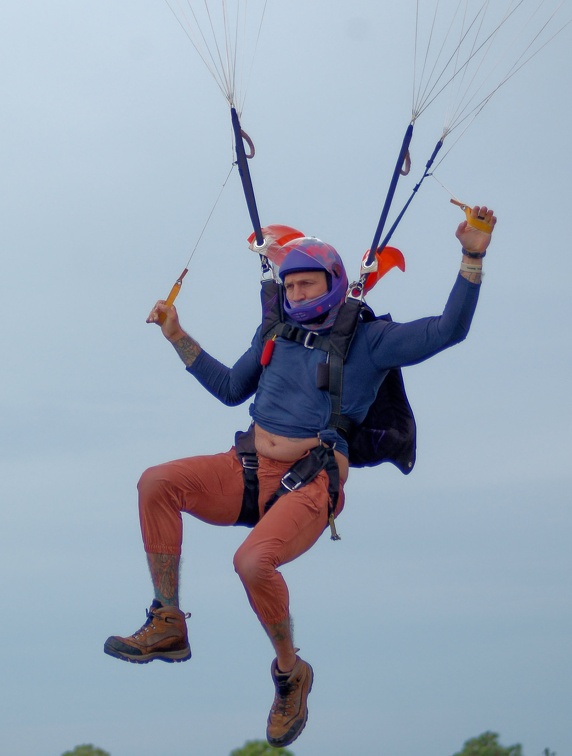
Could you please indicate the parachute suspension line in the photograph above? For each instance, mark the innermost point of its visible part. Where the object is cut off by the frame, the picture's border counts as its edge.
(223, 35)
(417, 87)
(239, 66)
(227, 62)
(462, 112)
(224, 65)
(460, 84)
(479, 48)
(415, 44)
(476, 51)
(176, 288)
(257, 40)
(467, 117)
(423, 91)
(231, 55)
(204, 50)
(209, 216)
(526, 55)
(430, 94)
(446, 188)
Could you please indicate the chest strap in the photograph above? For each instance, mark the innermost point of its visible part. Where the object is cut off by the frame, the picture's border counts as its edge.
(308, 339)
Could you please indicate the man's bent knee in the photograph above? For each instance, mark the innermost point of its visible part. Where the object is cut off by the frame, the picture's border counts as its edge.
(149, 480)
(253, 566)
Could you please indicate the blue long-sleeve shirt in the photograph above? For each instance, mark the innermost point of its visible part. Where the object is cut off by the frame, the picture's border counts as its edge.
(287, 400)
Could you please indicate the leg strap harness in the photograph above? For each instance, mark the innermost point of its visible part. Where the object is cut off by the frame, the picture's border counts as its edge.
(300, 474)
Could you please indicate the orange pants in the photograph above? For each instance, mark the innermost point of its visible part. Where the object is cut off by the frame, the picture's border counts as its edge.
(210, 488)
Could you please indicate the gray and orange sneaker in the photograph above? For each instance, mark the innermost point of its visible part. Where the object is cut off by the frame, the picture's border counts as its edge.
(163, 636)
(289, 711)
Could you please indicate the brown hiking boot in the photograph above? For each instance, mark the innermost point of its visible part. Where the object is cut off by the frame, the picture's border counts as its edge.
(163, 636)
(289, 711)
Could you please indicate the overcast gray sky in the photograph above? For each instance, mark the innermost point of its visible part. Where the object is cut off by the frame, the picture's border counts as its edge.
(445, 609)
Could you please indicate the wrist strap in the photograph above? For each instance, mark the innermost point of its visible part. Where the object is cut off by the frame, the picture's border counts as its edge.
(474, 255)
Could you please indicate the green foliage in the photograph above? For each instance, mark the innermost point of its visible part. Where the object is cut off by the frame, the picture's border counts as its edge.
(86, 750)
(260, 748)
(487, 745)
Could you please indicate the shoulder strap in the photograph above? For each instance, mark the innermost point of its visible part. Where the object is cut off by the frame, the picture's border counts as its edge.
(341, 337)
(272, 310)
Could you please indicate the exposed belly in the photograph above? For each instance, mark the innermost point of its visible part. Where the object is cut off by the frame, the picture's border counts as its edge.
(285, 449)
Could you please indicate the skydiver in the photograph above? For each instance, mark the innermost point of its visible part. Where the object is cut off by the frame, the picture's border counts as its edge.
(290, 416)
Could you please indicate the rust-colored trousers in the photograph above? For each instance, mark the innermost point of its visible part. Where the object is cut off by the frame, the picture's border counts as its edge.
(210, 488)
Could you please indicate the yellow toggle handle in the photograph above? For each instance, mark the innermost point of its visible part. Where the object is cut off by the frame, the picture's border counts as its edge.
(173, 294)
(477, 223)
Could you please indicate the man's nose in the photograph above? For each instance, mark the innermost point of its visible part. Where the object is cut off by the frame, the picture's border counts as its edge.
(298, 294)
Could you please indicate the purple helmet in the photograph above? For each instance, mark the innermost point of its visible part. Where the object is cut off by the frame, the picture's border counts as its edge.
(309, 253)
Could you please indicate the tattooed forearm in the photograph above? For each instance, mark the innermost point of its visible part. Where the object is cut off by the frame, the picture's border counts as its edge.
(474, 276)
(187, 349)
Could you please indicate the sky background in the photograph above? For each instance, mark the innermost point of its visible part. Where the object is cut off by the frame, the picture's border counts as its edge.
(445, 610)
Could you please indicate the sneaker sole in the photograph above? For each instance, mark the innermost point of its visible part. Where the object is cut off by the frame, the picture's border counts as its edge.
(166, 656)
(295, 731)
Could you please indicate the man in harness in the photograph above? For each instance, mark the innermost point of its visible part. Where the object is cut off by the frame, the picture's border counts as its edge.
(285, 477)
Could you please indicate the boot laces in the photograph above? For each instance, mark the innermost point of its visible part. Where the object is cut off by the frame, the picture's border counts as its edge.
(148, 624)
(282, 705)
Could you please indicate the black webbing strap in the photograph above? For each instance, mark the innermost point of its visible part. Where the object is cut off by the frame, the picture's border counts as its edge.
(246, 452)
(341, 338)
(309, 339)
(304, 471)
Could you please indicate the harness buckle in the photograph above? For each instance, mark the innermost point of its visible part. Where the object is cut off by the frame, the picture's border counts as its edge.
(297, 482)
(326, 445)
(249, 461)
(310, 338)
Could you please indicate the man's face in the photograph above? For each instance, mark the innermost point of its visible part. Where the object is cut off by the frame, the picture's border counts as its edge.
(305, 285)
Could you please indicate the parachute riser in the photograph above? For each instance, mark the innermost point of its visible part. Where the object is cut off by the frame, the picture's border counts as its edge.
(414, 191)
(244, 172)
(401, 160)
